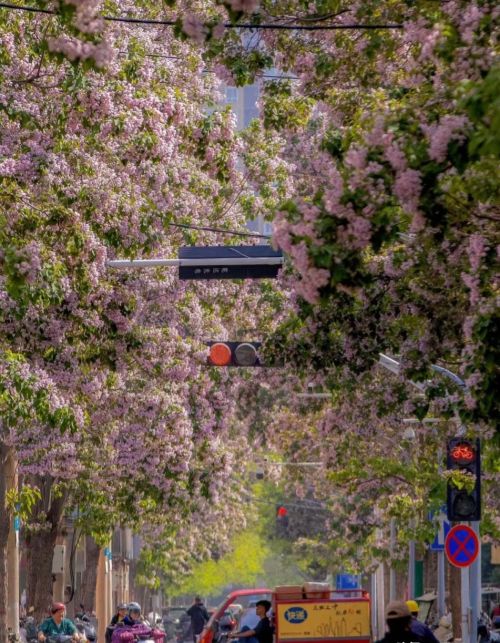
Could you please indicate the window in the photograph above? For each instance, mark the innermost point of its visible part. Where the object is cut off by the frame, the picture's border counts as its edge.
(231, 95)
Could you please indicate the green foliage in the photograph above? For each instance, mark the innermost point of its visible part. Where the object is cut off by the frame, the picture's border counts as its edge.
(20, 502)
(282, 109)
(463, 480)
(23, 401)
(241, 566)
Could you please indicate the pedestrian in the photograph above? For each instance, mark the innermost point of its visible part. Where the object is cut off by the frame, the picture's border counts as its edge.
(199, 616)
(263, 631)
(417, 627)
(398, 619)
(56, 624)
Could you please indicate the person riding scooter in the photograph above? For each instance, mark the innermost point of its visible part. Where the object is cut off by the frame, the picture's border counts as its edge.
(57, 625)
(134, 616)
(116, 620)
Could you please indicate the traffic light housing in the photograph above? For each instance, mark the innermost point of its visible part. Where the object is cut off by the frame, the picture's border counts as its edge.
(234, 354)
(464, 504)
(281, 520)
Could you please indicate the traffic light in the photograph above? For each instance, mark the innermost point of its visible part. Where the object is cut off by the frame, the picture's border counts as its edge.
(234, 353)
(464, 504)
(229, 262)
(281, 520)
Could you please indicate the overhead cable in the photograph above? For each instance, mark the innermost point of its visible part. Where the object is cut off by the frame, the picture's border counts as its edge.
(227, 25)
(219, 230)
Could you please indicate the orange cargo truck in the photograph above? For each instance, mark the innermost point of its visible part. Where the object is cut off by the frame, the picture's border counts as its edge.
(311, 613)
(315, 614)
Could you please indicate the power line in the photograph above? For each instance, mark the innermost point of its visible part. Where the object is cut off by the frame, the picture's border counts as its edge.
(207, 70)
(220, 230)
(227, 25)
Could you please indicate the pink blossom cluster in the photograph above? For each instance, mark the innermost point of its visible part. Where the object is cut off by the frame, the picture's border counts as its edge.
(87, 19)
(450, 127)
(247, 6)
(75, 49)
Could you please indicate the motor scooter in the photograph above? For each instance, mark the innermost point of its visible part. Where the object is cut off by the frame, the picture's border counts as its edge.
(59, 638)
(134, 633)
(85, 627)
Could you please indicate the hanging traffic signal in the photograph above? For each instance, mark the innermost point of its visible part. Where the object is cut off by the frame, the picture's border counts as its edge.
(281, 520)
(229, 262)
(463, 504)
(234, 353)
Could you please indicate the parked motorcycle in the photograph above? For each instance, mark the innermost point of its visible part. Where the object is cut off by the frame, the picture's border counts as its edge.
(85, 627)
(28, 630)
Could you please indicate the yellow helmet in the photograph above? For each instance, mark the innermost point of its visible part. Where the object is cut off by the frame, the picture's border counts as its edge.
(412, 606)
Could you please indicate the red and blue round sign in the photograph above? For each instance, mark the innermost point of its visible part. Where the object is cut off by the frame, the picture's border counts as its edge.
(461, 546)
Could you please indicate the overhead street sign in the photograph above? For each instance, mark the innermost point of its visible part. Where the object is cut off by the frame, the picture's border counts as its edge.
(229, 262)
(461, 546)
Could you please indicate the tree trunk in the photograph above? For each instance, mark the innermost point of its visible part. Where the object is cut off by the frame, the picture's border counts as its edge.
(40, 547)
(89, 580)
(5, 520)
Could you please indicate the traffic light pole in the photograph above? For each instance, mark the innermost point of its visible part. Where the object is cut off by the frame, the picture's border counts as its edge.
(465, 606)
(470, 576)
(475, 582)
(441, 584)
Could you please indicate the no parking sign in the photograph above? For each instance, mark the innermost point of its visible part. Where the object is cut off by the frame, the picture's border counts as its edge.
(461, 546)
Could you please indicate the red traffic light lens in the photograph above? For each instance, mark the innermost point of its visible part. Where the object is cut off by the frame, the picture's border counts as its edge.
(463, 453)
(220, 354)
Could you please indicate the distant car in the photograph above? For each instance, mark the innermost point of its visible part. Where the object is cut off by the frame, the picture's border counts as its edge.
(240, 596)
(177, 624)
(175, 613)
(185, 630)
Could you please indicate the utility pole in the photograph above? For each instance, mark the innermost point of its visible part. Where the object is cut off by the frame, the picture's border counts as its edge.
(12, 554)
(392, 571)
(411, 569)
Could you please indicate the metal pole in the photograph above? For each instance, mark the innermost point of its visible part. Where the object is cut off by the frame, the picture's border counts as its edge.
(394, 366)
(465, 596)
(12, 553)
(441, 584)
(441, 574)
(475, 586)
(219, 261)
(411, 569)
(374, 604)
(380, 601)
(315, 396)
(392, 571)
